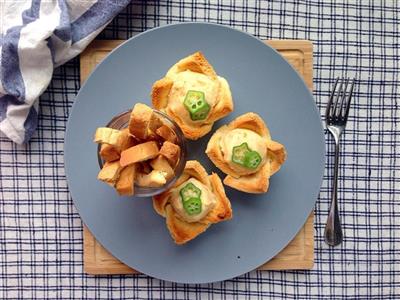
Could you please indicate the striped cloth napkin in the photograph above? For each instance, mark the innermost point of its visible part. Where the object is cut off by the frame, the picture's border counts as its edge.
(37, 36)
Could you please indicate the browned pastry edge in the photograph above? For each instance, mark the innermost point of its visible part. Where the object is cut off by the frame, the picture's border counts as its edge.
(160, 91)
(253, 122)
(277, 154)
(140, 120)
(255, 183)
(196, 63)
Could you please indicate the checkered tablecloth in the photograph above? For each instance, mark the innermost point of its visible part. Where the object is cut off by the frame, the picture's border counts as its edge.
(41, 232)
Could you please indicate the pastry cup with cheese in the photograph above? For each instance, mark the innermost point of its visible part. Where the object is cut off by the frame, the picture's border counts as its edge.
(193, 203)
(245, 151)
(193, 95)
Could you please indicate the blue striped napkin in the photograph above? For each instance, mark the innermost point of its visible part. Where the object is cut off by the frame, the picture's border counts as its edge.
(37, 36)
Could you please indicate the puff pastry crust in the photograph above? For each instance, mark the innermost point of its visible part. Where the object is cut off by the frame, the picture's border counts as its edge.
(253, 181)
(181, 230)
(195, 65)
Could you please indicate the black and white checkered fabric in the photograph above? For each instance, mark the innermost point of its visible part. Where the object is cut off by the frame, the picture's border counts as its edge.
(41, 232)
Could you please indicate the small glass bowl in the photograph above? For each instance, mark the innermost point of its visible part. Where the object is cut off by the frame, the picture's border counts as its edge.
(121, 121)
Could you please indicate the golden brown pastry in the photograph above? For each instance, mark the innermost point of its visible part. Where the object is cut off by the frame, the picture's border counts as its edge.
(109, 152)
(112, 142)
(139, 153)
(110, 172)
(139, 121)
(125, 185)
(196, 201)
(193, 95)
(245, 152)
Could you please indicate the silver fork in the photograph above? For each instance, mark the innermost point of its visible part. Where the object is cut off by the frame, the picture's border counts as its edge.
(336, 116)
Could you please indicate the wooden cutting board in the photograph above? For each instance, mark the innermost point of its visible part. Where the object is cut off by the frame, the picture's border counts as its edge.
(298, 254)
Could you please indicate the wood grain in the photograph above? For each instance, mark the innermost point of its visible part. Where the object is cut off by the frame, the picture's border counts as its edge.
(298, 254)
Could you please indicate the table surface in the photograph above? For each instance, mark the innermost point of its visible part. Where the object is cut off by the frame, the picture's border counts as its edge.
(41, 232)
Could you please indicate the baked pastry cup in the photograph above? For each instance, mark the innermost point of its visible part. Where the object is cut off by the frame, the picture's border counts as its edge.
(193, 203)
(193, 95)
(245, 152)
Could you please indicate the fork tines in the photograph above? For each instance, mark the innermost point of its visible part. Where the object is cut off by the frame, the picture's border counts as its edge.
(339, 101)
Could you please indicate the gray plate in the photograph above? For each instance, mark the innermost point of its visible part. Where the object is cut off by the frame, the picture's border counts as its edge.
(261, 81)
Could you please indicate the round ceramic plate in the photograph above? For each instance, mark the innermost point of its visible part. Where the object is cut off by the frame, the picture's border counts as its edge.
(261, 81)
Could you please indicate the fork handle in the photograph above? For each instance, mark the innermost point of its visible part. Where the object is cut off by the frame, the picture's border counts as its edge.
(333, 229)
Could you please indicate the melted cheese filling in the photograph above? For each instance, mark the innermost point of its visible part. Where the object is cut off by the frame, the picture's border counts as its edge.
(238, 136)
(208, 201)
(188, 80)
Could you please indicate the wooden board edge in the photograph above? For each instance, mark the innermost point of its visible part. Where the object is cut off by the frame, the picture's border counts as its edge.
(91, 266)
(304, 46)
(86, 55)
(306, 262)
(96, 270)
